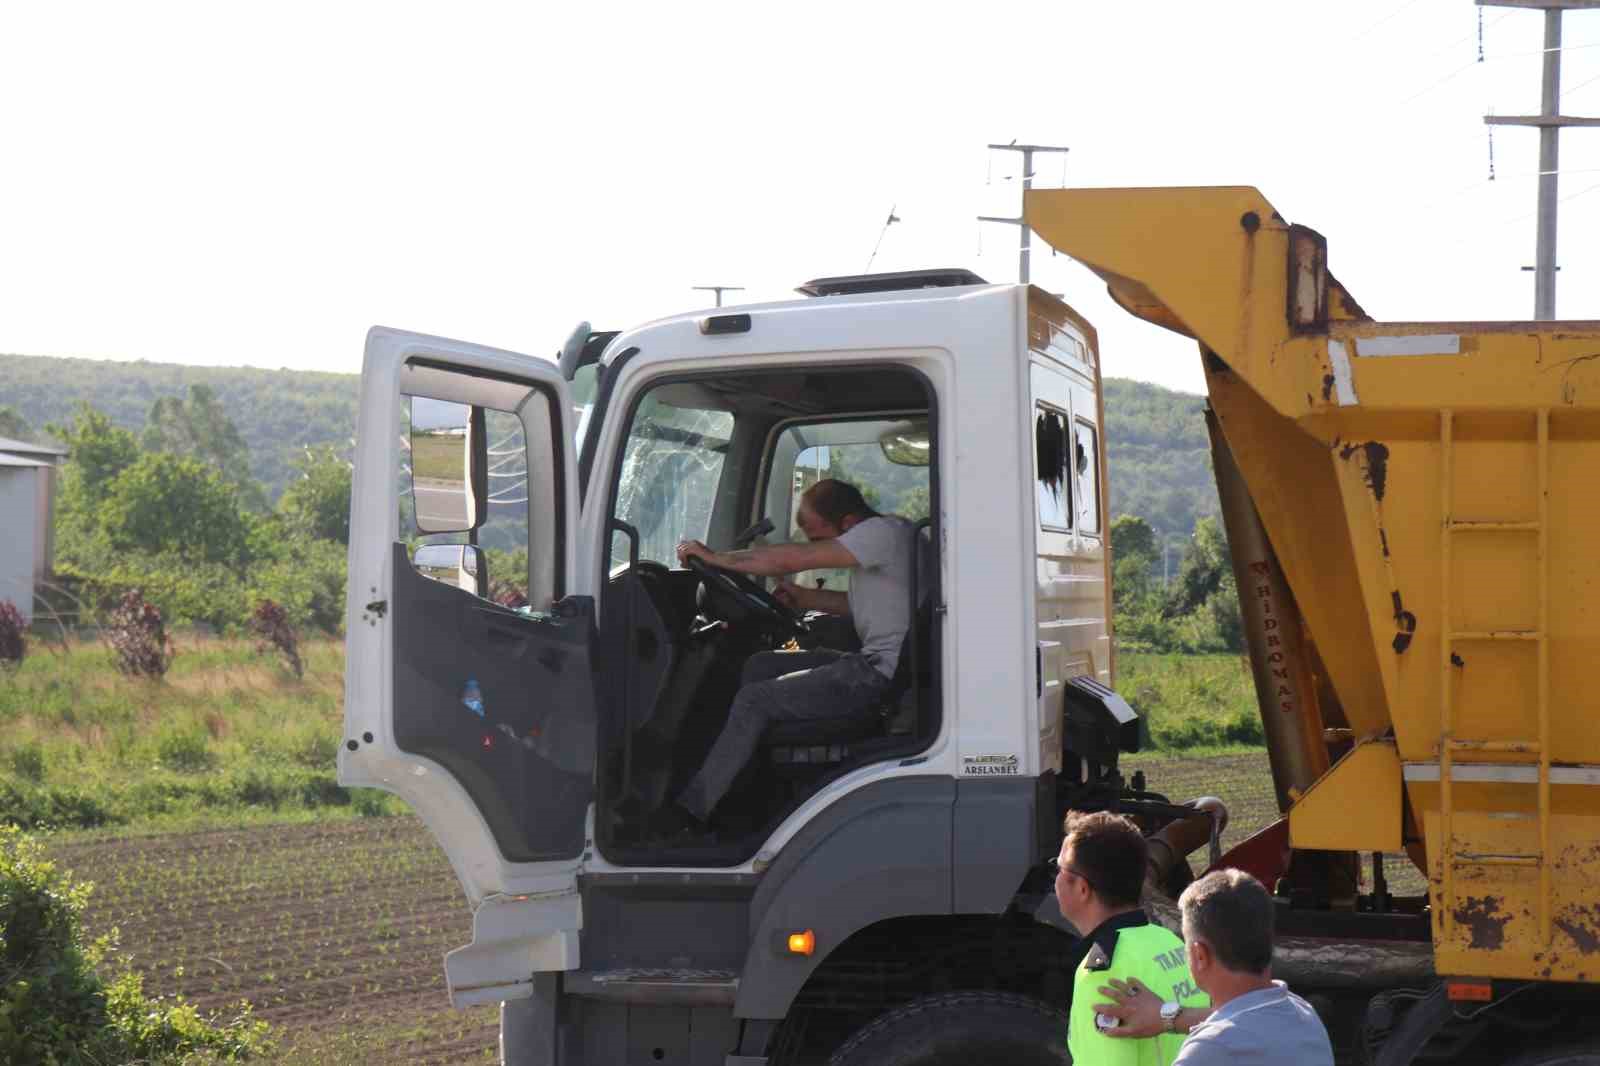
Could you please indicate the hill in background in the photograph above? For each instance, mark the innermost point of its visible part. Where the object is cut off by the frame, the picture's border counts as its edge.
(1159, 457)
(277, 412)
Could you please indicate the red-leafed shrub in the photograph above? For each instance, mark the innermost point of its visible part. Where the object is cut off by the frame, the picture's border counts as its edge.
(13, 645)
(507, 595)
(270, 624)
(137, 635)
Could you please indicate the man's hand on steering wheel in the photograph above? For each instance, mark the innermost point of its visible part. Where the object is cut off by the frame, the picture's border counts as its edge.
(694, 549)
(744, 589)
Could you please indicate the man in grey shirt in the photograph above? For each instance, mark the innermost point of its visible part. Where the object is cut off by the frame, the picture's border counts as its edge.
(842, 532)
(1227, 927)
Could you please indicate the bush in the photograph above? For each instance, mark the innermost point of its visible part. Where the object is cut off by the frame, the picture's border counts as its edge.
(370, 802)
(56, 1009)
(184, 750)
(34, 806)
(138, 636)
(13, 645)
(270, 624)
(507, 595)
(27, 760)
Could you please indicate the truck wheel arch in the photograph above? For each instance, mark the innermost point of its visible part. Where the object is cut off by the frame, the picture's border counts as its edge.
(905, 847)
(894, 835)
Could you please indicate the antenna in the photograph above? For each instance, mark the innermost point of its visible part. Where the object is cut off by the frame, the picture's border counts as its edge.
(719, 290)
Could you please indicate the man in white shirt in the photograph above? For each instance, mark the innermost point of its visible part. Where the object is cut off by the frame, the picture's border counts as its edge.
(1253, 1020)
(842, 532)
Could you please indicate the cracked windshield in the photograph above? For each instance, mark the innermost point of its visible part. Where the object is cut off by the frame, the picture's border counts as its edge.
(670, 473)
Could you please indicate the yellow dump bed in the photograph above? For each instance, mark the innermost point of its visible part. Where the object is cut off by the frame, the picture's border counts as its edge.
(1430, 491)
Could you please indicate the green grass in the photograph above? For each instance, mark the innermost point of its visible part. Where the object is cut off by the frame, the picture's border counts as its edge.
(231, 737)
(1197, 704)
(229, 734)
(437, 456)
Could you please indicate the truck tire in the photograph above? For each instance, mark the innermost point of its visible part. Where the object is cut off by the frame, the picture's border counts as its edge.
(962, 1029)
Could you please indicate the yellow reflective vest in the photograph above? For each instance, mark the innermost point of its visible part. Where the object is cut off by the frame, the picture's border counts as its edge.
(1126, 946)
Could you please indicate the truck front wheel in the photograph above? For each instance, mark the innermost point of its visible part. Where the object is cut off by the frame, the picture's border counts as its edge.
(961, 1029)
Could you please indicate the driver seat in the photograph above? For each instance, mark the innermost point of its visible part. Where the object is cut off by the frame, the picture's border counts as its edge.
(796, 748)
(799, 746)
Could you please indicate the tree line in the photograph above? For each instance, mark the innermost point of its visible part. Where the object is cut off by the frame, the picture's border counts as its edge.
(1197, 610)
(214, 488)
(1159, 457)
(174, 512)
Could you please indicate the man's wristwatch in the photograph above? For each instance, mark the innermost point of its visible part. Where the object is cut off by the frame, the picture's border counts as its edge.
(1169, 1014)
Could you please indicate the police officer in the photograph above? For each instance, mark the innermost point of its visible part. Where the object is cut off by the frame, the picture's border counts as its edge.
(1099, 877)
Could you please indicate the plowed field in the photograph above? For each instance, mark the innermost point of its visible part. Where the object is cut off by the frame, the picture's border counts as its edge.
(336, 932)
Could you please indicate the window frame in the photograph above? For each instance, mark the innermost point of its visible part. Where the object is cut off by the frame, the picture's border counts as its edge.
(608, 570)
(769, 452)
(546, 577)
(1069, 483)
(1094, 463)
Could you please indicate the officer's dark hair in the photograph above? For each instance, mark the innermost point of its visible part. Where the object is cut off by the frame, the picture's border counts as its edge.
(1109, 852)
(1232, 913)
(836, 500)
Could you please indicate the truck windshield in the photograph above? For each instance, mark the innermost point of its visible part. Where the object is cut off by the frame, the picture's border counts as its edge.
(670, 472)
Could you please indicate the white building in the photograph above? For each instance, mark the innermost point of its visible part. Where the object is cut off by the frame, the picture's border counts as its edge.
(27, 496)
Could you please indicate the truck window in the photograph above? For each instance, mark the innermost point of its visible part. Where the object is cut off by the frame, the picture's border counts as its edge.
(504, 533)
(1054, 486)
(850, 451)
(1088, 466)
(671, 468)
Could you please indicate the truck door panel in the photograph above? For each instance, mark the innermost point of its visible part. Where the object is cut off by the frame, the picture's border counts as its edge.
(480, 716)
(502, 701)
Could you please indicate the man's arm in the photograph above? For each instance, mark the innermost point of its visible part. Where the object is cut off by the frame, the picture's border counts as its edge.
(773, 560)
(803, 599)
(1140, 1010)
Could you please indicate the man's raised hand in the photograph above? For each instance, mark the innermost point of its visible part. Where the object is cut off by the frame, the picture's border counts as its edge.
(1137, 1007)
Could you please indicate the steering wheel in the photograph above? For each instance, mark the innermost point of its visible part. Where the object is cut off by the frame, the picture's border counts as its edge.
(749, 594)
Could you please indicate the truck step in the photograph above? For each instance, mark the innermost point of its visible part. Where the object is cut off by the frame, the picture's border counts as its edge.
(673, 987)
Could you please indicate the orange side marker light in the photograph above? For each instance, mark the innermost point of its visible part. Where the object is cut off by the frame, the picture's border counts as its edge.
(1469, 991)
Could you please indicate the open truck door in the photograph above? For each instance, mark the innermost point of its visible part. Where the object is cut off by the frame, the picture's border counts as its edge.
(479, 715)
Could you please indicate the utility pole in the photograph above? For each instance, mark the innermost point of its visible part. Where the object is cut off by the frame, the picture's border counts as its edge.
(1549, 120)
(719, 290)
(1027, 151)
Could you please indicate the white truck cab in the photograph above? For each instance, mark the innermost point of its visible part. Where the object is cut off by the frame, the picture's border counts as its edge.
(563, 661)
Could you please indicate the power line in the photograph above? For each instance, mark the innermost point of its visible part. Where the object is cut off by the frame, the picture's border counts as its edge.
(1475, 32)
(1390, 17)
(1425, 90)
(1568, 92)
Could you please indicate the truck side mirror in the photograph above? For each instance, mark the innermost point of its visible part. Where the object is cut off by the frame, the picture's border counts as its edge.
(449, 465)
(462, 565)
(906, 444)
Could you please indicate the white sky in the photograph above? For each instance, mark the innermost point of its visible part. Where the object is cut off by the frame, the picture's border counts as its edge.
(257, 184)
